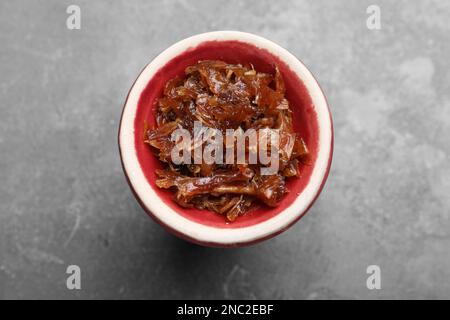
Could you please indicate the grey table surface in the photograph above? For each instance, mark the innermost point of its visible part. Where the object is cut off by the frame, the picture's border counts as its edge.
(64, 199)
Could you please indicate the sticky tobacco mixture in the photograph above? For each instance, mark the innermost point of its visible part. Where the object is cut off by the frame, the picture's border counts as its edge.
(225, 96)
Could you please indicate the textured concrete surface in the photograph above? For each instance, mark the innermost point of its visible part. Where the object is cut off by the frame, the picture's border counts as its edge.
(64, 200)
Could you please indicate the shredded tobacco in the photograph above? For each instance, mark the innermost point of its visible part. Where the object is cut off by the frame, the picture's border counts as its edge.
(225, 96)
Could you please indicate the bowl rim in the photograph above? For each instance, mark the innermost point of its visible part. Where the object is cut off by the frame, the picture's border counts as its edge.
(204, 234)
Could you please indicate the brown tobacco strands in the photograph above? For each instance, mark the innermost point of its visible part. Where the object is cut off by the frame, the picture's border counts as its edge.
(225, 96)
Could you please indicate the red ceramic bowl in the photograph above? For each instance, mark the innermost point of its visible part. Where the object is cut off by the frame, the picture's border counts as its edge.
(311, 117)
